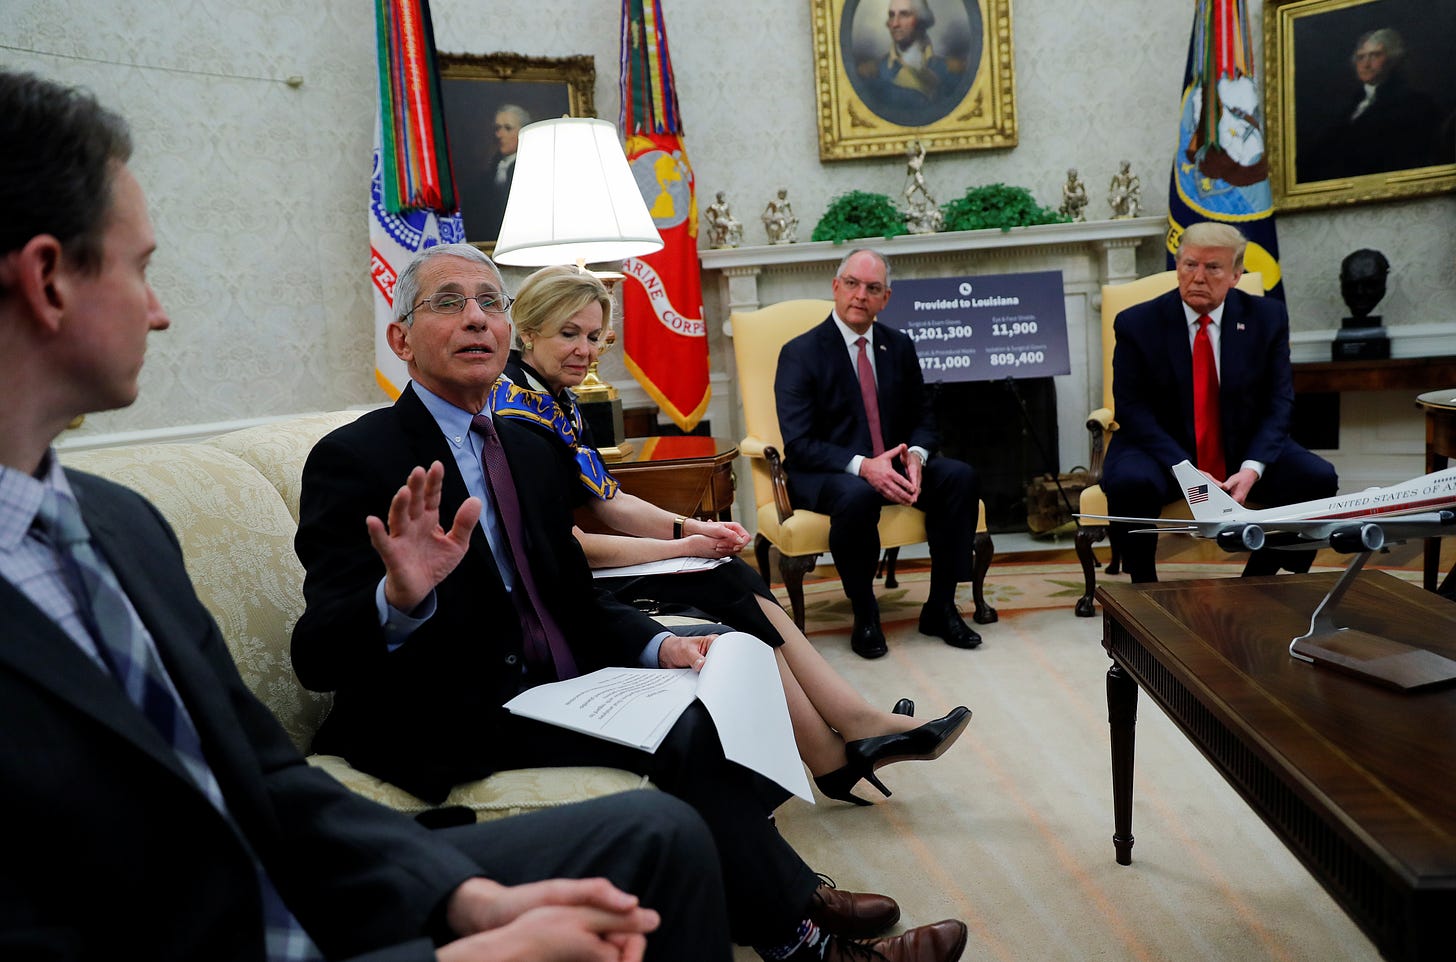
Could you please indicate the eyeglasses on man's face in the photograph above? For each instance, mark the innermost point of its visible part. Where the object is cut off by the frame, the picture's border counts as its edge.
(449, 302)
(853, 284)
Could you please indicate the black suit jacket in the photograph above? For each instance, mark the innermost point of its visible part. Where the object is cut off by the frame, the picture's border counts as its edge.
(111, 850)
(1152, 381)
(427, 715)
(821, 410)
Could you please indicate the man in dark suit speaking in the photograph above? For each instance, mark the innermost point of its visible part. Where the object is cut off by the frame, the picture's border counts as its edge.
(858, 435)
(430, 605)
(1202, 373)
(154, 809)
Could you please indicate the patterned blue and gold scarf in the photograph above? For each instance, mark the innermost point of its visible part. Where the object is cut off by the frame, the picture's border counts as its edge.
(510, 400)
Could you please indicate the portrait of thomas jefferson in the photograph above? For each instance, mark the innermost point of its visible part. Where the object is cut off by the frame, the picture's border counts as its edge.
(1373, 90)
(911, 61)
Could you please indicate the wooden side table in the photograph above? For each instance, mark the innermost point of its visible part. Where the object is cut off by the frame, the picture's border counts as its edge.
(687, 475)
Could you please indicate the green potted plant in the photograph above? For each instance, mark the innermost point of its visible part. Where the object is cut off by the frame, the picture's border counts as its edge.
(998, 205)
(859, 214)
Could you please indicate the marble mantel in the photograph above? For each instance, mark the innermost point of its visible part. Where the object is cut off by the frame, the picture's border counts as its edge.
(1088, 255)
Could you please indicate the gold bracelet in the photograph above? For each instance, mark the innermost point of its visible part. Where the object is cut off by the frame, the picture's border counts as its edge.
(677, 527)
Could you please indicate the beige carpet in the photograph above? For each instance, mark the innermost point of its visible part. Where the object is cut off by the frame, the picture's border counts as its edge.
(1011, 830)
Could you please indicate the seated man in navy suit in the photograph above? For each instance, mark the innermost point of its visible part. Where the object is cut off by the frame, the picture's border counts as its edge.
(1231, 419)
(858, 435)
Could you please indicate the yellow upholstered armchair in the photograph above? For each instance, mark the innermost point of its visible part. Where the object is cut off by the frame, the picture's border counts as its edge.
(1117, 298)
(801, 535)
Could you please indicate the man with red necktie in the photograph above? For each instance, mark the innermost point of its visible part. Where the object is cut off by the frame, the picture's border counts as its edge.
(1203, 373)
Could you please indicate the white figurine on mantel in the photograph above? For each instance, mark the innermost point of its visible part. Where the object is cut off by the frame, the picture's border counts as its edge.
(1074, 197)
(779, 220)
(724, 230)
(1125, 193)
(922, 216)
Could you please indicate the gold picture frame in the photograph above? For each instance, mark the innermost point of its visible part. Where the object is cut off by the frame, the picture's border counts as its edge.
(871, 104)
(474, 88)
(1322, 154)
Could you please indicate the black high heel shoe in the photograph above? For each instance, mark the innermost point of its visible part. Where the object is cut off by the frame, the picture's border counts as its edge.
(865, 755)
(839, 783)
(930, 740)
(904, 707)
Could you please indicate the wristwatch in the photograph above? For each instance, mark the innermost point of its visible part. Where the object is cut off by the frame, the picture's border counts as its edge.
(677, 526)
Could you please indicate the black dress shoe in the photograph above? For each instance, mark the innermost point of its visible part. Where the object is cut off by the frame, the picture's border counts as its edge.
(854, 915)
(904, 707)
(944, 621)
(930, 740)
(867, 640)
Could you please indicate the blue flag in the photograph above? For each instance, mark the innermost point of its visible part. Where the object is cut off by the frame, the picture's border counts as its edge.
(1221, 169)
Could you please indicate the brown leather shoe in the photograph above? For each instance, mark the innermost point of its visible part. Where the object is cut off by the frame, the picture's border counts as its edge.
(940, 942)
(854, 915)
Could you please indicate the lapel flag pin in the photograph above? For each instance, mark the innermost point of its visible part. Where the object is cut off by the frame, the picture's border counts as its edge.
(1238, 327)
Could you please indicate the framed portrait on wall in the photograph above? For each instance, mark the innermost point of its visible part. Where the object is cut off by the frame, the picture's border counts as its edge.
(1360, 97)
(888, 72)
(487, 100)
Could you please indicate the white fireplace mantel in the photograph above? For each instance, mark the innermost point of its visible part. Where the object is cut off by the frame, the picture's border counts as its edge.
(1088, 255)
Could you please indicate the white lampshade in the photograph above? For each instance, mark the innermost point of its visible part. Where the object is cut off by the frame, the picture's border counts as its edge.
(573, 198)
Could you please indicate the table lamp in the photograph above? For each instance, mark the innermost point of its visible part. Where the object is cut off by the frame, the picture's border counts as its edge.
(573, 199)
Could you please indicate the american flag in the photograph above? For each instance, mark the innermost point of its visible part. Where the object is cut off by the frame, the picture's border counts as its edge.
(1198, 494)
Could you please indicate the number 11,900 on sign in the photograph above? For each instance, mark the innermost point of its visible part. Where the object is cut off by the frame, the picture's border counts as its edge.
(1012, 329)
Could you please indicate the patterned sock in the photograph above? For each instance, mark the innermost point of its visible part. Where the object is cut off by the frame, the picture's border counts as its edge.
(807, 937)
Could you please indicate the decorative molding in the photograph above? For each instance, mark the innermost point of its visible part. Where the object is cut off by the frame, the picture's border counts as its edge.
(1129, 232)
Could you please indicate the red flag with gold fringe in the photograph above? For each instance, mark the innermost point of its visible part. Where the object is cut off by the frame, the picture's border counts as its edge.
(665, 342)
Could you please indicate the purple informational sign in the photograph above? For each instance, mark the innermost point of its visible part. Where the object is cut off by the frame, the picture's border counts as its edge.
(984, 328)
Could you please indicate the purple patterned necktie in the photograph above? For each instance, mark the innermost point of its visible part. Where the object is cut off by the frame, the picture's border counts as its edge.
(546, 646)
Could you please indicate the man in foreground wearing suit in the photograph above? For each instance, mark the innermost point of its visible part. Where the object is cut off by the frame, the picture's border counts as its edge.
(1202, 373)
(858, 435)
(153, 808)
(476, 589)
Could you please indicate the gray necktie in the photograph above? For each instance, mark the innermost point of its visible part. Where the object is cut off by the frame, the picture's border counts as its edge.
(132, 658)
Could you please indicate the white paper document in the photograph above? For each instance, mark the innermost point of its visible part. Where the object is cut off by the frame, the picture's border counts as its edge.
(739, 686)
(667, 566)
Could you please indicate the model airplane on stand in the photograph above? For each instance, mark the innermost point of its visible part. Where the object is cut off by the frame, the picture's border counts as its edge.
(1368, 520)
(1357, 524)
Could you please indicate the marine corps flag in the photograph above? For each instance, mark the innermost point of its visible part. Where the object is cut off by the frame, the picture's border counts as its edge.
(412, 201)
(1221, 172)
(665, 339)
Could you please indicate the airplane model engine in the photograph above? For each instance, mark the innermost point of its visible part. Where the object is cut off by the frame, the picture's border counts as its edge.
(1244, 537)
(1355, 538)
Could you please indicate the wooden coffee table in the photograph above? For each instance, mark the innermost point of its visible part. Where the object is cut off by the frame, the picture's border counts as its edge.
(1358, 781)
